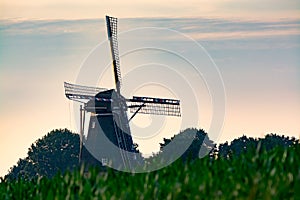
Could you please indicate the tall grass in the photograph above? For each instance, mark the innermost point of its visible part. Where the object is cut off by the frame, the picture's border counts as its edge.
(256, 174)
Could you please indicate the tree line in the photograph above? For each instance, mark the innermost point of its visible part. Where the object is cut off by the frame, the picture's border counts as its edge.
(58, 150)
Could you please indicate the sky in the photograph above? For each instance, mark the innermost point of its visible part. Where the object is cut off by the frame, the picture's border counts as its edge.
(76, 9)
(254, 44)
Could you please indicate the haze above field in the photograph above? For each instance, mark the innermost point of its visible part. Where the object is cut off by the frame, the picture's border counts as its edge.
(43, 43)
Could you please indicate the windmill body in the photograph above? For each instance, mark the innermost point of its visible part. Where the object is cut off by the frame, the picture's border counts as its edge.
(109, 137)
(109, 126)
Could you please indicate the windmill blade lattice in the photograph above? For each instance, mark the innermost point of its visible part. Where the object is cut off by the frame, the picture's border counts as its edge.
(156, 106)
(112, 32)
(73, 91)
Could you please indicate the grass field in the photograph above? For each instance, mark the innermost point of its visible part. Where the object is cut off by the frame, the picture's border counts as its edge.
(254, 175)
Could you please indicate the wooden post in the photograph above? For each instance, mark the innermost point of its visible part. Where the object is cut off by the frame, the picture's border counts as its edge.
(81, 133)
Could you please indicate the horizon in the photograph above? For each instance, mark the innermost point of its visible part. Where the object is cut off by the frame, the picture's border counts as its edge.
(257, 58)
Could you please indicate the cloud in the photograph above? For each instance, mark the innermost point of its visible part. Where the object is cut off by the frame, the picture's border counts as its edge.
(49, 27)
(260, 5)
(201, 26)
(219, 33)
(67, 9)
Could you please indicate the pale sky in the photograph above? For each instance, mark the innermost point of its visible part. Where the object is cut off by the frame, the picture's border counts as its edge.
(255, 44)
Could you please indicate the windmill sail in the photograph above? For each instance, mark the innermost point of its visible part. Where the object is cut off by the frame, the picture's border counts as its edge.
(111, 23)
(80, 92)
(156, 106)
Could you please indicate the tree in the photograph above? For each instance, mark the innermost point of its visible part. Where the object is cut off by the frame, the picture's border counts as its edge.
(272, 140)
(244, 144)
(56, 151)
(195, 141)
(237, 147)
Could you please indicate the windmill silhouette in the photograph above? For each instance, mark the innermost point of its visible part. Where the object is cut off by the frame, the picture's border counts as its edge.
(109, 123)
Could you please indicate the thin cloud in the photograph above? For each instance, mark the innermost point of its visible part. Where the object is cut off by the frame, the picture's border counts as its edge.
(244, 34)
(200, 29)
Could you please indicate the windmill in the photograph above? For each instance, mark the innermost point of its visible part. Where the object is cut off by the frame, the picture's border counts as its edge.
(109, 123)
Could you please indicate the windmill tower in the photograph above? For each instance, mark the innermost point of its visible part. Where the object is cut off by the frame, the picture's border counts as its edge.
(109, 123)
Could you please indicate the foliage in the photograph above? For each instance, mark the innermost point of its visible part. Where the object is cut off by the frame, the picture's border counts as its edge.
(258, 174)
(56, 151)
(193, 140)
(244, 144)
